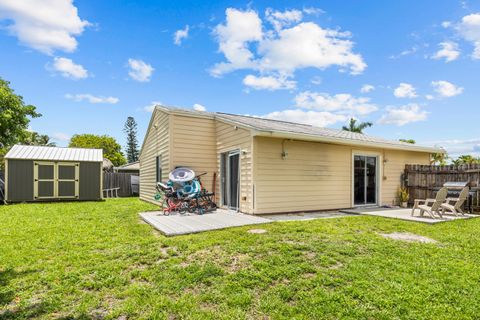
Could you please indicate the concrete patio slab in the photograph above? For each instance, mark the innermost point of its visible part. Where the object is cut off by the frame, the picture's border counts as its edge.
(299, 216)
(405, 214)
(184, 224)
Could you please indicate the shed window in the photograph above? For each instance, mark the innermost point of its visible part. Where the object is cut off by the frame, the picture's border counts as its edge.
(158, 168)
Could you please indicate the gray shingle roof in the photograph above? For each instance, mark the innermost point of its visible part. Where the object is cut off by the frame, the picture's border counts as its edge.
(298, 128)
(295, 129)
(130, 166)
(54, 153)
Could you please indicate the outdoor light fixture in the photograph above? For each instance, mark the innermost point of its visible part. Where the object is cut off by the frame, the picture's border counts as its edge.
(284, 150)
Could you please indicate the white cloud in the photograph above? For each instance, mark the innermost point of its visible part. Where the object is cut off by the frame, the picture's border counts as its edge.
(469, 29)
(446, 89)
(282, 19)
(342, 103)
(457, 147)
(308, 45)
(288, 46)
(268, 82)
(140, 70)
(91, 98)
(199, 107)
(151, 106)
(448, 51)
(60, 136)
(47, 26)
(429, 97)
(240, 28)
(68, 69)
(400, 116)
(313, 11)
(446, 24)
(315, 118)
(366, 88)
(405, 90)
(414, 49)
(181, 34)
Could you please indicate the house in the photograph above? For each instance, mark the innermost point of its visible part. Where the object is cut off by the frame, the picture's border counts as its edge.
(37, 173)
(132, 167)
(269, 166)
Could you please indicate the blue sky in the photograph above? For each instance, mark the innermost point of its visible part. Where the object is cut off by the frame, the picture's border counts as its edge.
(410, 67)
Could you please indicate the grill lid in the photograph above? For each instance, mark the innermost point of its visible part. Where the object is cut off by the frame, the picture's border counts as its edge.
(455, 184)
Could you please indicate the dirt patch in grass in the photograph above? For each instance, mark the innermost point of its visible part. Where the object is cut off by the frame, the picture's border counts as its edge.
(294, 242)
(230, 262)
(408, 237)
(336, 266)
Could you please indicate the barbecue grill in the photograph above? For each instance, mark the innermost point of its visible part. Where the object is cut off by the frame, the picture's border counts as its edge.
(454, 188)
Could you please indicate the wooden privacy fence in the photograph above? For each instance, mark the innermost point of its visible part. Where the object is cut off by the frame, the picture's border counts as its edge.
(423, 181)
(119, 180)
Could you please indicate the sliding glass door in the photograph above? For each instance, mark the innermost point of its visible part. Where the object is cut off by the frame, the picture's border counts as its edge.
(230, 175)
(364, 180)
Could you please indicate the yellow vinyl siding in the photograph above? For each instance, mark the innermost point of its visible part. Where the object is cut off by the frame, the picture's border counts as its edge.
(229, 138)
(193, 145)
(157, 142)
(394, 168)
(318, 176)
(313, 176)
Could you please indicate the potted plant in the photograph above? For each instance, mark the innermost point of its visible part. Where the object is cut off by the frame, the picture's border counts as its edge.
(403, 196)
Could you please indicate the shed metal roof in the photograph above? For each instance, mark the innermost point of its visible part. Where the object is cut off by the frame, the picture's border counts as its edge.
(54, 153)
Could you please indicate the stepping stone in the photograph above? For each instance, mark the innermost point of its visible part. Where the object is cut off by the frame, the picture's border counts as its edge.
(257, 231)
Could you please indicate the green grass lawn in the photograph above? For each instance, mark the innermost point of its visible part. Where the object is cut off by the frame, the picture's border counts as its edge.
(98, 260)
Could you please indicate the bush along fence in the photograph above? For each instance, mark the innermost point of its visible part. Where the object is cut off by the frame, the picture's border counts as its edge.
(423, 181)
(119, 180)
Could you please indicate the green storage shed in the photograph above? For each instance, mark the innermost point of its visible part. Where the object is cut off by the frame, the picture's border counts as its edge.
(38, 173)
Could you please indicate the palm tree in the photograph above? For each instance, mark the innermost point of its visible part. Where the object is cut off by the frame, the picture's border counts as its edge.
(439, 158)
(353, 127)
(411, 141)
(466, 159)
(36, 139)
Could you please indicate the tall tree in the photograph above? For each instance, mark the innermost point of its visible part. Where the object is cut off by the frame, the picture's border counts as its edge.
(466, 159)
(130, 129)
(407, 141)
(354, 127)
(111, 149)
(36, 139)
(439, 158)
(15, 116)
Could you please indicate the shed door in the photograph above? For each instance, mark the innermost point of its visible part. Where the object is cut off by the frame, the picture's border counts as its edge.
(44, 180)
(56, 180)
(67, 179)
